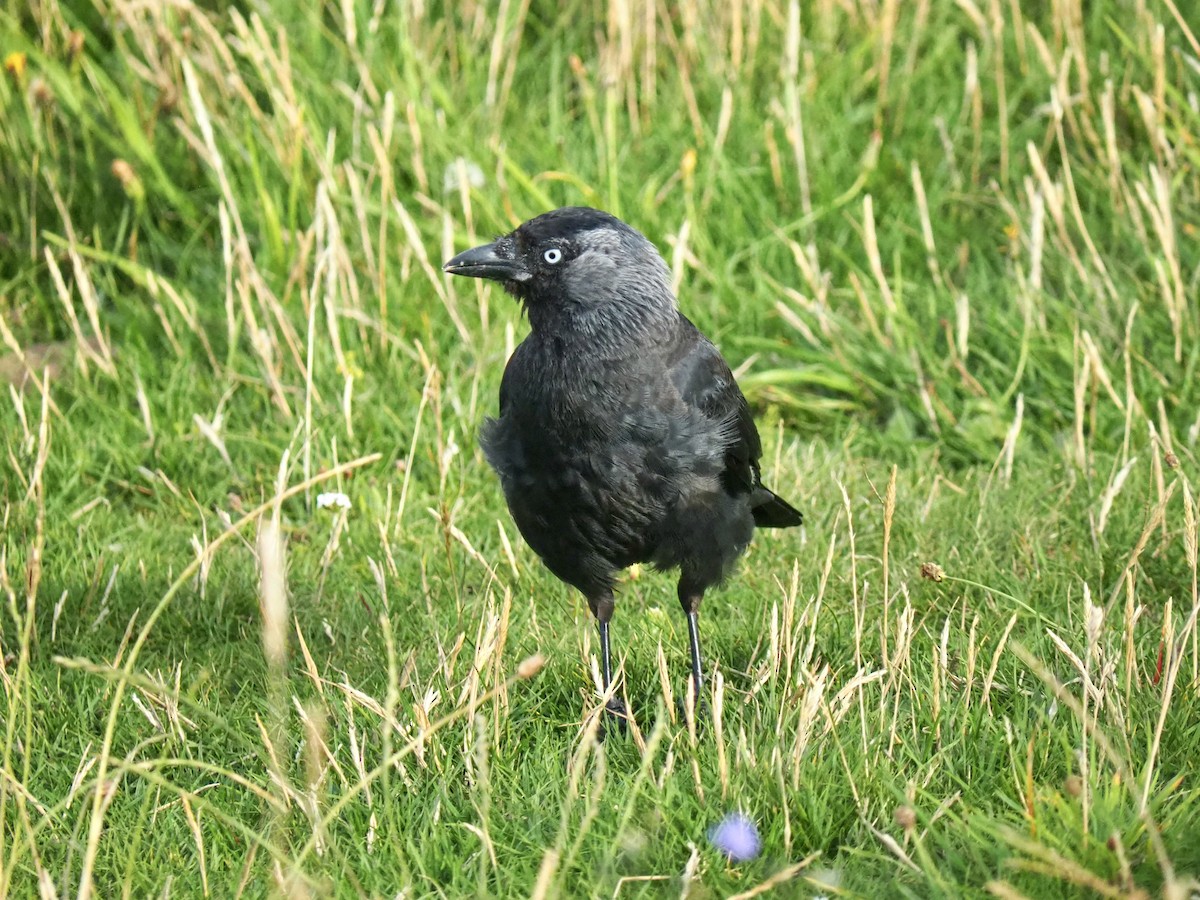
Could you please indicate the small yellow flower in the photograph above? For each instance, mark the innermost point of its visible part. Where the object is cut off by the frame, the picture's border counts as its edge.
(687, 165)
(14, 65)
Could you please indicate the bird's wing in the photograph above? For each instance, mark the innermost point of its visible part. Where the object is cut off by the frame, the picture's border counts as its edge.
(705, 382)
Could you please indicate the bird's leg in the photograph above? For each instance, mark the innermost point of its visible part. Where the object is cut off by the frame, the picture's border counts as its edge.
(605, 656)
(602, 609)
(690, 600)
(694, 640)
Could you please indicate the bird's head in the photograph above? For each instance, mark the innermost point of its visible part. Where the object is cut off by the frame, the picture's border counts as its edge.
(580, 269)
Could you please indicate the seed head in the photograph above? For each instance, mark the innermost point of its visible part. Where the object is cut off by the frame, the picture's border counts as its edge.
(905, 816)
(931, 571)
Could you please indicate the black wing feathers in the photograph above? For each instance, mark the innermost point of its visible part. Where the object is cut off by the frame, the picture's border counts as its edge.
(704, 380)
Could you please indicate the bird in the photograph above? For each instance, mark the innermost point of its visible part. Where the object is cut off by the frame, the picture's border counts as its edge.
(622, 435)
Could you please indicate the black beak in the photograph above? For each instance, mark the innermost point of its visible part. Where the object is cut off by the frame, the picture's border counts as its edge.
(487, 261)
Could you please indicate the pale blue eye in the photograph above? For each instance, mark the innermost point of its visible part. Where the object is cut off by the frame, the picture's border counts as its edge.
(553, 256)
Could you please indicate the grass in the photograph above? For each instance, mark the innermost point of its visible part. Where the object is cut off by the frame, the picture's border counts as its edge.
(953, 249)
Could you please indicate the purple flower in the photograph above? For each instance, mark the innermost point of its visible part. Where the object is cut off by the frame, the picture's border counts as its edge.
(736, 836)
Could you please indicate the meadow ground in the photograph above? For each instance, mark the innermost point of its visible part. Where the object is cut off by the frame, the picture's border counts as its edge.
(952, 249)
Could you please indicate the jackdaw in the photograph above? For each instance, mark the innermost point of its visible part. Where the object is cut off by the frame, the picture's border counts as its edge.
(622, 437)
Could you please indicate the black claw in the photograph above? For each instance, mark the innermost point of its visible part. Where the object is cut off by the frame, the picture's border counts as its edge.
(615, 710)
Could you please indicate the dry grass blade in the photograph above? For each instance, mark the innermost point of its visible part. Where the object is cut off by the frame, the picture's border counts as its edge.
(783, 876)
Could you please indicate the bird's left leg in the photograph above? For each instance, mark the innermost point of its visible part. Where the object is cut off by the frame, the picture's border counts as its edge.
(689, 599)
(602, 608)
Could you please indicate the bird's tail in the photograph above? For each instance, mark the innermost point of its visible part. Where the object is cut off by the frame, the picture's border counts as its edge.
(772, 511)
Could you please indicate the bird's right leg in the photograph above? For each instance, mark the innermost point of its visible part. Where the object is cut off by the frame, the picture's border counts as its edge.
(602, 609)
(689, 598)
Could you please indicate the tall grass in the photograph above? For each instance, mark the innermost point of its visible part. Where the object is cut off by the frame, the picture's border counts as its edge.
(953, 249)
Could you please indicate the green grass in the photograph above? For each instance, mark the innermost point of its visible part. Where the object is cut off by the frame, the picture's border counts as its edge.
(953, 248)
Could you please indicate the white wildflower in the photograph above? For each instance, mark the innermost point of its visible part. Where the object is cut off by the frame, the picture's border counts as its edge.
(335, 499)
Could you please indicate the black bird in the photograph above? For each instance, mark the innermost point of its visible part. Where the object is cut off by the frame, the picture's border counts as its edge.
(622, 435)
